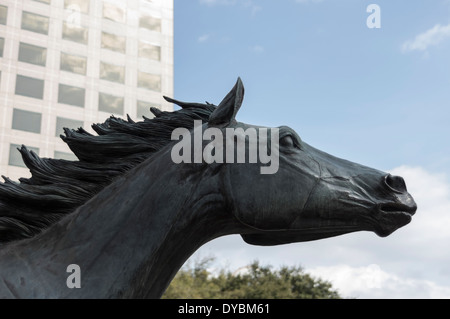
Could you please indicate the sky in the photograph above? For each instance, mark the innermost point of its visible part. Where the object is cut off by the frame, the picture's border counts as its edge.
(375, 96)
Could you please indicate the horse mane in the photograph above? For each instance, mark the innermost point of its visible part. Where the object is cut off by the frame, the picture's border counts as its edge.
(58, 187)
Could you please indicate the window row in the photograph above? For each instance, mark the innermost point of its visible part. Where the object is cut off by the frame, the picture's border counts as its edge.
(3, 14)
(71, 95)
(32, 121)
(34, 88)
(114, 13)
(111, 42)
(2, 44)
(73, 32)
(77, 34)
(78, 64)
(15, 158)
(38, 23)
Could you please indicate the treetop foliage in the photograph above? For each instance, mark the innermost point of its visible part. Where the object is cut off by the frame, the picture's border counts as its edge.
(251, 282)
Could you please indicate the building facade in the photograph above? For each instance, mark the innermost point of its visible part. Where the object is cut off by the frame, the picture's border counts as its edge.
(71, 63)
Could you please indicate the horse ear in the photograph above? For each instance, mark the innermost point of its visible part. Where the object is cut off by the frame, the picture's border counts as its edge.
(230, 105)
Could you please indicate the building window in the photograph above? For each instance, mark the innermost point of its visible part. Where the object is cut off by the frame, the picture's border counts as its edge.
(32, 54)
(65, 156)
(3, 14)
(149, 81)
(150, 23)
(30, 87)
(2, 44)
(73, 63)
(77, 5)
(110, 103)
(35, 22)
(26, 121)
(111, 12)
(44, 1)
(15, 158)
(75, 33)
(71, 95)
(113, 42)
(111, 72)
(143, 109)
(62, 123)
(149, 51)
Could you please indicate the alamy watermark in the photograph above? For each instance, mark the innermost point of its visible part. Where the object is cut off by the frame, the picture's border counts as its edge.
(252, 145)
(73, 18)
(74, 279)
(374, 19)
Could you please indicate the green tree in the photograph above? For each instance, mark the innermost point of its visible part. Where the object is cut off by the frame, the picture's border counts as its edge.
(256, 282)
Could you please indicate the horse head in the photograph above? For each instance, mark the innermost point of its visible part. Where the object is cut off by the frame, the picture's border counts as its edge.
(127, 210)
(308, 194)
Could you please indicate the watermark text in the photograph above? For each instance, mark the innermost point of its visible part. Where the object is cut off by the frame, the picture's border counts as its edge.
(252, 145)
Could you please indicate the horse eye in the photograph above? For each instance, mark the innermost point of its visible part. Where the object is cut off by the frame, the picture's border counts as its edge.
(287, 141)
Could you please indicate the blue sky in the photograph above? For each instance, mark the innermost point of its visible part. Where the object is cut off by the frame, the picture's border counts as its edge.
(379, 97)
(316, 67)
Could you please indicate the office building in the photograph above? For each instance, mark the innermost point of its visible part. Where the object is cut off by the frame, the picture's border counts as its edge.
(71, 63)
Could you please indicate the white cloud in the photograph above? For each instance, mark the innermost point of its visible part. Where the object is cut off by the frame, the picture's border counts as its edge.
(373, 282)
(203, 38)
(308, 1)
(431, 37)
(257, 49)
(410, 263)
(247, 4)
(418, 257)
(254, 8)
(432, 194)
(217, 2)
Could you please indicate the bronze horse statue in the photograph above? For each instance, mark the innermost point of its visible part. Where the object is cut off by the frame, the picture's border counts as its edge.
(129, 216)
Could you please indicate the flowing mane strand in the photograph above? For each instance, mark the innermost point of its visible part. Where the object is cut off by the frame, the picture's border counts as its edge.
(58, 187)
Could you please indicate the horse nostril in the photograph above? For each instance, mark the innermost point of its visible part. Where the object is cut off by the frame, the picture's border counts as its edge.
(395, 183)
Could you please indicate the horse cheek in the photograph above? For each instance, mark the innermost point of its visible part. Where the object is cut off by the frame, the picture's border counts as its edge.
(263, 207)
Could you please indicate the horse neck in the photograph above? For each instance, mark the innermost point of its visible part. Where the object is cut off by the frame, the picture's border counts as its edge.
(129, 240)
